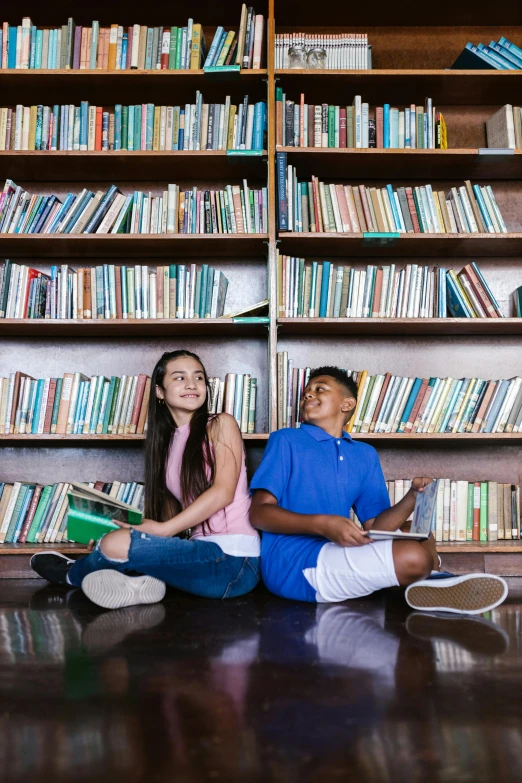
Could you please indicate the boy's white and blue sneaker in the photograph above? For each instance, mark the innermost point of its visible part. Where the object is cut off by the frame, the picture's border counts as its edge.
(469, 594)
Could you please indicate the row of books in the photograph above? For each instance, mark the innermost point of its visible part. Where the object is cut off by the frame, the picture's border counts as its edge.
(109, 291)
(319, 207)
(37, 514)
(391, 403)
(343, 51)
(117, 47)
(78, 405)
(301, 124)
(504, 128)
(323, 290)
(232, 210)
(469, 510)
(244, 48)
(197, 126)
(501, 55)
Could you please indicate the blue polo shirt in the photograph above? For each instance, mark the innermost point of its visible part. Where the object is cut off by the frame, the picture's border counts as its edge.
(311, 472)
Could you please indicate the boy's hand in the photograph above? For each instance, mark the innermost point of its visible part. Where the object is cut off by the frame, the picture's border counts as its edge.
(419, 484)
(344, 532)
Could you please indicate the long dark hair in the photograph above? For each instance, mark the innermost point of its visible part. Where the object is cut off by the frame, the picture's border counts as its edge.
(197, 465)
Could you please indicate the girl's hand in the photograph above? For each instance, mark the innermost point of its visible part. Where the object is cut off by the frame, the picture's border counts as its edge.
(147, 526)
(419, 484)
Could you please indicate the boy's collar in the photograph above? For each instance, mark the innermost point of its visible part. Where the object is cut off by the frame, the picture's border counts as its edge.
(318, 434)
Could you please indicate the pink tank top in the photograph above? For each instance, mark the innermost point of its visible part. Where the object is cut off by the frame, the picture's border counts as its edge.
(230, 521)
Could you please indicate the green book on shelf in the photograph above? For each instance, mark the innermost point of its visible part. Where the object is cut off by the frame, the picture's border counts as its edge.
(469, 519)
(91, 513)
(483, 510)
(45, 499)
(518, 301)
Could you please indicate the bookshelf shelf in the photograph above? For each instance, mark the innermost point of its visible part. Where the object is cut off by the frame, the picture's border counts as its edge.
(133, 327)
(105, 439)
(133, 245)
(122, 165)
(398, 85)
(402, 163)
(407, 245)
(398, 326)
(450, 440)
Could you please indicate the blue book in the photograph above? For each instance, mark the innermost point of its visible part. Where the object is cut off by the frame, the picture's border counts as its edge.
(70, 199)
(238, 398)
(11, 47)
(282, 200)
(84, 124)
(213, 47)
(193, 210)
(56, 123)
(259, 125)
(39, 50)
(472, 59)
(409, 404)
(106, 293)
(32, 54)
(502, 63)
(51, 200)
(102, 210)
(453, 399)
(394, 207)
(130, 129)
(75, 214)
(482, 206)
(39, 128)
(124, 303)
(149, 127)
(117, 126)
(203, 291)
(511, 47)
(386, 135)
(99, 292)
(394, 128)
(124, 47)
(325, 285)
(78, 408)
(456, 304)
(497, 404)
(36, 405)
(442, 308)
(148, 50)
(22, 504)
(137, 127)
(40, 204)
(506, 54)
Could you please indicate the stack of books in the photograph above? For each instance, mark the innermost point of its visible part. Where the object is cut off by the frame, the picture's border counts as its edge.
(232, 210)
(324, 290)
(244, 48)
(196, 126)
(35, 514)
(394, 404)
(74, 404)
(319, 207)
(501, 55)
(78, 405)
(108, 291)
(344, 51)
(118, 48)
(468, 510)
(301, 124)
(504, 128)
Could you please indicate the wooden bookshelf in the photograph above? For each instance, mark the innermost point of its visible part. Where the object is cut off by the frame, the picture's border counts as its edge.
(408, 66)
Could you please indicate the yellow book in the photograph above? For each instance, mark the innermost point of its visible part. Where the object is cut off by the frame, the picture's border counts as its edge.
(3, 127)
(32, 128)
(113, 45)
(229, 40)
(464, 404)
(349, 426)
(230, 135)
(440, 404)
(438, 210)
(195, 51)
(463, 292)
(157, 124)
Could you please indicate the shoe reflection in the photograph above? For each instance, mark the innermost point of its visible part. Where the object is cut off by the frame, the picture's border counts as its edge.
(458, 639)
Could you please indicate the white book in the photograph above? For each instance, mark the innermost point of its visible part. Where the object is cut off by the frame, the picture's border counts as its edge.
(453, 511)
(377, 386)
(43, 406)
(380, 424)
(130, 406)
(90, 400)
(135, 45)
(406, 393)
(446, 510)
(472, 223)
(124, 405)
(428, 411)
(461, 510)
(439, 518)
(392, 414)
(9, 510)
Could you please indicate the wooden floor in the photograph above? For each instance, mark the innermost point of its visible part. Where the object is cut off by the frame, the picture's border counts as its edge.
(256, 689)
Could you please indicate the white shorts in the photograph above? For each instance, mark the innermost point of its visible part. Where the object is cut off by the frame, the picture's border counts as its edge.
(352, 571)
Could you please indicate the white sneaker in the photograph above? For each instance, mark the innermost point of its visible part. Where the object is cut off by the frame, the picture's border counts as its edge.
(113, 590)
(469, 594)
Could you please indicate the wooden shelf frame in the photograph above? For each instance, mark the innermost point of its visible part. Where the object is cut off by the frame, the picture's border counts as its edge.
(399, 326)
(100, 439)
(130, 327)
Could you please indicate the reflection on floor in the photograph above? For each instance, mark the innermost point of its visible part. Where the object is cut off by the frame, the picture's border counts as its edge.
(256, 689)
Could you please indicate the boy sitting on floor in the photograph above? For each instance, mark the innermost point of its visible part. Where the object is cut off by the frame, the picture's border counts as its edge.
(303, 491)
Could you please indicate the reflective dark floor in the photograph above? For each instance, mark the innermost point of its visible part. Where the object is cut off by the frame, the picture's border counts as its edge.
(256, 689)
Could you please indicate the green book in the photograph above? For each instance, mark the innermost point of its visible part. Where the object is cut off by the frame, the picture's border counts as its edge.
(91, 514)
(17, 511)
(349, 127)
(56, 404)
(172, 48)
(210, 288)
(518, 301)
(124, 127)
(329, 209)
(197, 299)
(331, 126)
(113, 404)
(469, 520)
(366, 401)
(45, 499)
(483, 510)
(108, 405)
(96, 404)
(179, 39)
(300, 300)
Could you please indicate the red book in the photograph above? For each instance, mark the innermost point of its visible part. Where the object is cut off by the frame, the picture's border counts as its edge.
(413, 211)
(476, 512)
(310, 140)
(342, 127)
(49, 408)
(99, 125)
(130, 31)
(138, 399)
(479, 291)
(379, 125)
(31, 274)
(30, 515)
(159, 293)
(117, 280)
(301, 121)
(366, 208)
(77, 47)
(422, 408)
(99, 485)
(164, 54)
(377, 295)
(318, 217)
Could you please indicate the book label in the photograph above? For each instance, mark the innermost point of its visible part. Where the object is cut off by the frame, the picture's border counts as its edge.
(495, 151)
(380, 237)
(242, 153)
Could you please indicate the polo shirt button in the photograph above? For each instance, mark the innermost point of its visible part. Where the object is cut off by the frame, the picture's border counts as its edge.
(341, 457)
(338, 442)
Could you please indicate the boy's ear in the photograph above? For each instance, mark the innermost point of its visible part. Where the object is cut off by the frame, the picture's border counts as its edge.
(349, 404)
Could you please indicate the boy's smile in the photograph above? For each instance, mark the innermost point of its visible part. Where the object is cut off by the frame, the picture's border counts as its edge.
(325, 401)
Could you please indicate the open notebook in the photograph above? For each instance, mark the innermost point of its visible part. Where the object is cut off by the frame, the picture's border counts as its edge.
(91, 513)
(423, 518)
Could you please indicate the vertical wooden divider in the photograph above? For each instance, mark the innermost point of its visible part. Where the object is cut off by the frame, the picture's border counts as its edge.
(272, 241)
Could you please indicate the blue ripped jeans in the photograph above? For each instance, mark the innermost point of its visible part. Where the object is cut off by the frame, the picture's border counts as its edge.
(199, 567)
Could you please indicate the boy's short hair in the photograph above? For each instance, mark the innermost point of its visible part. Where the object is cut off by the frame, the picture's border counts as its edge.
(341, 376)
